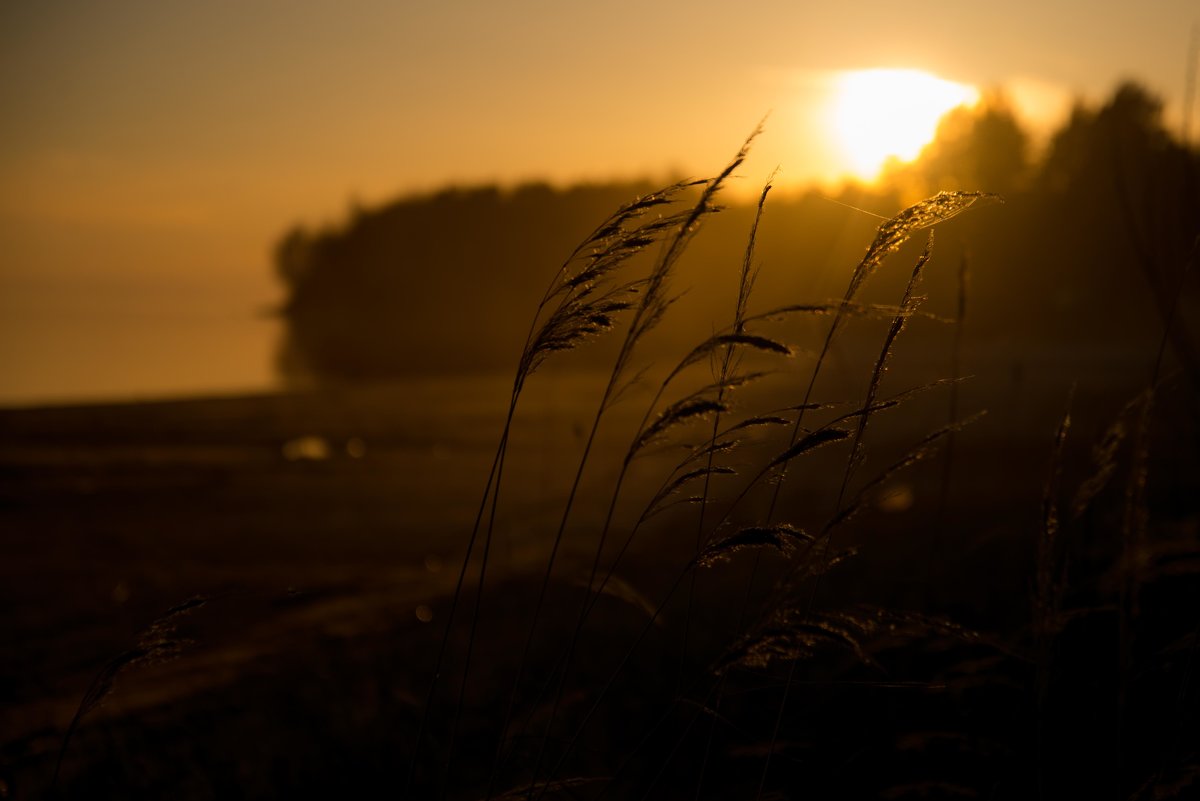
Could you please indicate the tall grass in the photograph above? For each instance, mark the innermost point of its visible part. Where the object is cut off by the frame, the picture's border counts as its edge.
(585, 298)
(158, 642)
(750, 475)
(581, 301)
(746, 429)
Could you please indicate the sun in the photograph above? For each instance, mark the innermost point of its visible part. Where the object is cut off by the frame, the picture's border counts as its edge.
(890, 113)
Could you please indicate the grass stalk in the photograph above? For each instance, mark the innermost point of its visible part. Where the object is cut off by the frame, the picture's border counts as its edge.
(746, 279)
(1048, 591)
(960, 317)
(852, 461)
(647, 315)
(586, 303)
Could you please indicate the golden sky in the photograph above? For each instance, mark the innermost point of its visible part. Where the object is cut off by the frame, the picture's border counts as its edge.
(169, 143)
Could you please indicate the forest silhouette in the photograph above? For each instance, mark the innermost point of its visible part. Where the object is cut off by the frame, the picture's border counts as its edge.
(1089, 251)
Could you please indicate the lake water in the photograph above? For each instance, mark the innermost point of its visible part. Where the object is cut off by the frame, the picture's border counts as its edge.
(54, 354)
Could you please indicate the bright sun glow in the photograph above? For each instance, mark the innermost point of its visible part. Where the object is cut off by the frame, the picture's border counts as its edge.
(879, 114)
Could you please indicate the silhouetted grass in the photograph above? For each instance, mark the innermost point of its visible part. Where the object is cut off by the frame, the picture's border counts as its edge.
(784, 630)
(815, 649)
(728, 489)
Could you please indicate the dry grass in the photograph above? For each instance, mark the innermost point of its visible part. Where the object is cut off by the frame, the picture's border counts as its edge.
(724, 559)
(588, 299)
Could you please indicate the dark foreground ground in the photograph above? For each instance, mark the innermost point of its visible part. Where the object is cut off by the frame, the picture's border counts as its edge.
(324, 532)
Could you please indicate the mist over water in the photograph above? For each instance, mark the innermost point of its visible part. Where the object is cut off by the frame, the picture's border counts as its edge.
(65, 343)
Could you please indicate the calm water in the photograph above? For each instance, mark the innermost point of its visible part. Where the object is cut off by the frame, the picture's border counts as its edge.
(75, 351)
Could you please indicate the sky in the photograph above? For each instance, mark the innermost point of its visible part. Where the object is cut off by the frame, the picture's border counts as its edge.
(151, 153)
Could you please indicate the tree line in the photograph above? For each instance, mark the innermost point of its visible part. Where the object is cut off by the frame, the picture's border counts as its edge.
(1091, 248)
